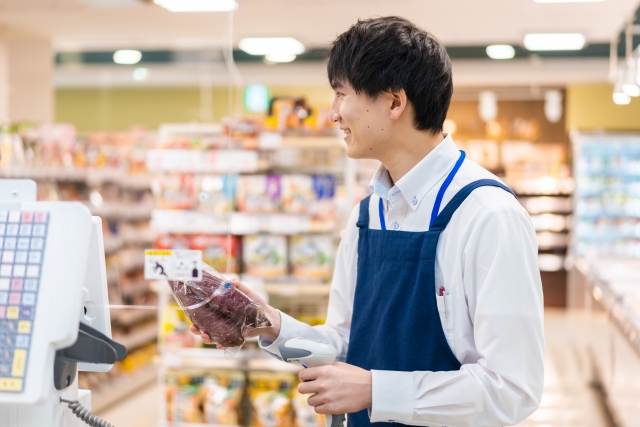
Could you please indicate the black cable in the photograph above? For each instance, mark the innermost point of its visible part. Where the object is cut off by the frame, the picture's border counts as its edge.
(85, 415)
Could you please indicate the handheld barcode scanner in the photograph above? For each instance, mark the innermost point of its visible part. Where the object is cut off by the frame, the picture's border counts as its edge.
(309, 354)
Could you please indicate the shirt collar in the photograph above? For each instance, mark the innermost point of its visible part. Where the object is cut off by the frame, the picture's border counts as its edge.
(422, 177)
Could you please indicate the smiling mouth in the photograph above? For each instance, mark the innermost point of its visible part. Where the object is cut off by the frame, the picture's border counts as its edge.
(347, 131)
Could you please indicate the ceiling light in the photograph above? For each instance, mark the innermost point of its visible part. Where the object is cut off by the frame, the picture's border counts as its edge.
(631, 89)
(127, 57)
(568, 1)
(280, 57)
(561, 41)
(272, 46)
(621, 98)
(500, 51)
(140, 74)
(198, 5)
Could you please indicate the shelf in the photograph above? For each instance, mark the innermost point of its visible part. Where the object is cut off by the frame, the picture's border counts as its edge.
(138, 337)
(54, 173)
(297, 289)
(92, 176)
(210, 358)
(193, 222)
(312, 142)
(124, 211)
(194, 161)
(122, 387)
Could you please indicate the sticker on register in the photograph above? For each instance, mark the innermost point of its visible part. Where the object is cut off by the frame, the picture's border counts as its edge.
(172, 264)
(22, 241)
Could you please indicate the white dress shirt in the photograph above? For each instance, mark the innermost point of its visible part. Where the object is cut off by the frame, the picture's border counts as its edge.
(492, 311)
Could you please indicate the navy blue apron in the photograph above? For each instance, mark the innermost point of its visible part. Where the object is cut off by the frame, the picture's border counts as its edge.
(395, 324)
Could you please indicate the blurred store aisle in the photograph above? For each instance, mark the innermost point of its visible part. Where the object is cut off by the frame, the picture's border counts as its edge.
(568, 400)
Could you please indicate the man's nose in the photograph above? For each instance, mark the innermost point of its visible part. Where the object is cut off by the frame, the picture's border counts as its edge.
(334, 115)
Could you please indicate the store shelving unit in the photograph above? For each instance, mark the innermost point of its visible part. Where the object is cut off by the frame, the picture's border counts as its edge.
(269, 154)
(102, 172)
(605, 246)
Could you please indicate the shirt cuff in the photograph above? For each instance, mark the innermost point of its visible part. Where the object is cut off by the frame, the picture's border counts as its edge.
(392, 396)
(289, 328)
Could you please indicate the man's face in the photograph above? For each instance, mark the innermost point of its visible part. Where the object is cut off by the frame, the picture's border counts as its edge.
(365, 121)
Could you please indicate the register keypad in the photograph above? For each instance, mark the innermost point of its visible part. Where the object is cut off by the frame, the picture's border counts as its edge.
(22, 241)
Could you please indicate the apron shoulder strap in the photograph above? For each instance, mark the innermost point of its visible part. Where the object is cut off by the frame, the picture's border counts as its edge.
(363, 219)
(444, 217)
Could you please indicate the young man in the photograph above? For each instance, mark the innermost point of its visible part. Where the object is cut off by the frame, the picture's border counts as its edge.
(436, 301)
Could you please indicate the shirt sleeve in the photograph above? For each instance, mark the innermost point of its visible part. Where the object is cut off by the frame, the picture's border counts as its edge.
(504, 293)
(338, 324)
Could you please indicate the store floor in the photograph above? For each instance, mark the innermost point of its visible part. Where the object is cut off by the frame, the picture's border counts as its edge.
(568, 400)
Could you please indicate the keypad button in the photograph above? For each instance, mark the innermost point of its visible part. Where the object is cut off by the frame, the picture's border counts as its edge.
(31, 285)
(3, 311)
(19, 270)
(23, 243)
(26, 313)
(22, 341)
(4, 284)
(14, 216)
(4, 298)
(37, 243)
(10, 243)
(33, 271)
(27, 216)
(12, 230)
(5, 270)
(25, 230)
(38, 230)
(28, 298)
(21, 257)
(35, 257)
(4, 215)
(3, 228)
(40, 217)
(17, 284)
(8, 256)
(14, 299)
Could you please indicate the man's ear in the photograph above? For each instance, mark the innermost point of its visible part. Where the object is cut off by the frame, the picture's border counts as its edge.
(398, 104)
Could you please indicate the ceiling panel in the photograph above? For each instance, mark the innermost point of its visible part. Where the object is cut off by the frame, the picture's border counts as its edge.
(76, 25)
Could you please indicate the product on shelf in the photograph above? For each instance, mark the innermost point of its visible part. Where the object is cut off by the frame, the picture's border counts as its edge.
(259, 193)
(217, 250)
(172, 242)
(183, 399)
(175, 191)
(305, 415)
(309, 195)
(221, 393)
(216, 194)
(270, 395)
(218, 309)
(312, 256)
(265, 255)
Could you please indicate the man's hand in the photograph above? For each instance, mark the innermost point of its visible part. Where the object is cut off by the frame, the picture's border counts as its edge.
(339, 388)
(272, 314)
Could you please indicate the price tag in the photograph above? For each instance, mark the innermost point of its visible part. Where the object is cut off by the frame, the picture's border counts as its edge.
(158, 264)
(187, 265)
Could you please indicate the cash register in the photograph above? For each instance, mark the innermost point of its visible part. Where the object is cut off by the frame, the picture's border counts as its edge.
(54, 316)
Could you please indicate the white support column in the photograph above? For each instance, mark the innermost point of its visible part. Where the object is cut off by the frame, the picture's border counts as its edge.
(26, 78)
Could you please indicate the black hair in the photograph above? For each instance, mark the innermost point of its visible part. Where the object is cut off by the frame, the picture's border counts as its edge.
(391, 53)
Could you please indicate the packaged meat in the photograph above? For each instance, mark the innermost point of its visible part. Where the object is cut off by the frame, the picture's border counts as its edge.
(218, 309)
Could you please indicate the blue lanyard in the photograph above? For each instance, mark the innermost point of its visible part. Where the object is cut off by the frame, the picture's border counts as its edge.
(436, 205)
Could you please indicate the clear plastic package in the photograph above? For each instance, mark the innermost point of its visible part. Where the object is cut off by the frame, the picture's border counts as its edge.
(219, 309)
